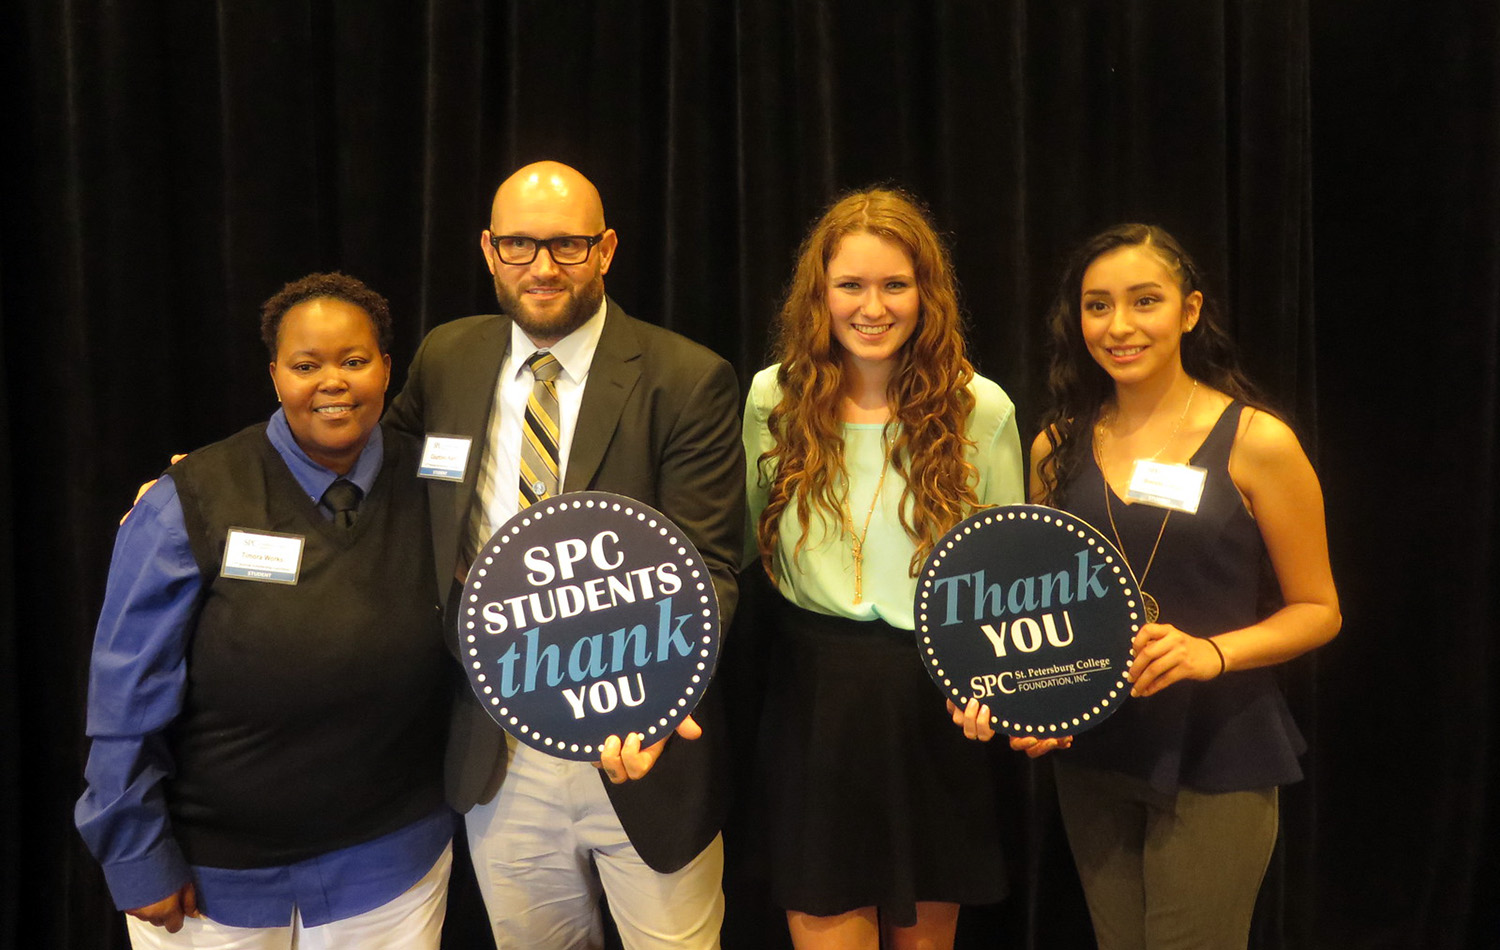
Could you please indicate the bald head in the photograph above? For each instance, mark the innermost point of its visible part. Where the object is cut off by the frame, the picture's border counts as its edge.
(543, 202)
(544, 193)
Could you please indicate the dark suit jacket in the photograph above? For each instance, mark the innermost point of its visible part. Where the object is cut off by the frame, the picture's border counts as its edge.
(659, 423)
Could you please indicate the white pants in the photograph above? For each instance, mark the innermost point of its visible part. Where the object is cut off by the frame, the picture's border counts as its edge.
(547, 843)
(412, 921)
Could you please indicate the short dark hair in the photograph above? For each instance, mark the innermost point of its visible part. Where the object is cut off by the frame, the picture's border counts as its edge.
(333, 285)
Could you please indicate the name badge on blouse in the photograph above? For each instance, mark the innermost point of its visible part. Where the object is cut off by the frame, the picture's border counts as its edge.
(262, 556)
(445, 457)
(1179, 487)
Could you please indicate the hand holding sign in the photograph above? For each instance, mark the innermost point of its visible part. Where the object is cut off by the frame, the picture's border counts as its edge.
(975, 720)
(1036, 748)
(586, 618)
(1165, 655)
(626, 761)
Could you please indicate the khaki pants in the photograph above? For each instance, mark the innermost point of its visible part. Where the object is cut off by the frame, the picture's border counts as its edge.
(546, 845)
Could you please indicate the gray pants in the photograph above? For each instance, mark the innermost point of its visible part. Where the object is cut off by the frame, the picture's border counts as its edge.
(550, 841)
(1163, 874)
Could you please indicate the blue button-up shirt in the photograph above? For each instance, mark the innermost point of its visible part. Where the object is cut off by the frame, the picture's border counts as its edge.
(137, 681)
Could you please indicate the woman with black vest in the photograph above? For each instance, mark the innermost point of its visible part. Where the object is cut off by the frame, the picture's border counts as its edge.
(267, 699)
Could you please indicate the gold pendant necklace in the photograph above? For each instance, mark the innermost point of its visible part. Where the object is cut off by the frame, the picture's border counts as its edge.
(1149, 605)
(857, 542)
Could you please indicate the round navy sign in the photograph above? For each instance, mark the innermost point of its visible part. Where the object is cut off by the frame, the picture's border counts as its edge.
(1032, 611)
(588, 615)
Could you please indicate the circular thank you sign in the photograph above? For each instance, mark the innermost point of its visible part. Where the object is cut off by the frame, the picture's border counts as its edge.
(1032, 611)
(585, 616)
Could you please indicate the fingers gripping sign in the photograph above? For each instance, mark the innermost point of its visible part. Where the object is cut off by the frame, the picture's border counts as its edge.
(627, 761)
(974, 719)
(1036, 748)
(1165, 655)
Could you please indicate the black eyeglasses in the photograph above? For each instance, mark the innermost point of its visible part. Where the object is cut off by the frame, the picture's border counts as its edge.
(565, 249)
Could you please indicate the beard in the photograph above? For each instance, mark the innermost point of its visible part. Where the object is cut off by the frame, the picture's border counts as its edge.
(581, 303)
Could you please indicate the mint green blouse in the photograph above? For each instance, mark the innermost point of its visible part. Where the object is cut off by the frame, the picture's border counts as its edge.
(822, 576)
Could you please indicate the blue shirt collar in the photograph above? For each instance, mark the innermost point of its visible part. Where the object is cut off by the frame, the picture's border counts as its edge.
(313, 477)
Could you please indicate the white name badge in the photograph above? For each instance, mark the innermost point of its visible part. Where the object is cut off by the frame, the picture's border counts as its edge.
(262, 556)
(1179, 487)
(444, 457)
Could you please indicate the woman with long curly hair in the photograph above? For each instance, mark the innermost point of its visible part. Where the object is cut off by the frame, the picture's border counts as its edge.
(1171, 805)
(869, 438)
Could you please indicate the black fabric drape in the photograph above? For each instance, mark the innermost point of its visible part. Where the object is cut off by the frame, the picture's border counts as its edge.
(1407, 183)
(1335, 166)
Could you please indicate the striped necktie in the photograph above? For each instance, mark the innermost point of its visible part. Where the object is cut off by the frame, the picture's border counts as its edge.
(539, 438)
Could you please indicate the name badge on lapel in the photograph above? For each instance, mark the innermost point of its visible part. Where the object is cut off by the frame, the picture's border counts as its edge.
(445, 457)
(265, 556)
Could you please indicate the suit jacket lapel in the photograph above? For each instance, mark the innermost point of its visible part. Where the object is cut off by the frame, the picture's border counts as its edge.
(477, 368)
(613, 374)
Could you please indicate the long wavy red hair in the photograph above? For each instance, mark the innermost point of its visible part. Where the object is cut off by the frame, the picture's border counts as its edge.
(928, 393)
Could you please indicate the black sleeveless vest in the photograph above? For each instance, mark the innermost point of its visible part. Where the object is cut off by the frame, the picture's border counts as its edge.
(315, 713)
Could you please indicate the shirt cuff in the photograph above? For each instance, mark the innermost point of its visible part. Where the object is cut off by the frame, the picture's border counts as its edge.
(148, 879)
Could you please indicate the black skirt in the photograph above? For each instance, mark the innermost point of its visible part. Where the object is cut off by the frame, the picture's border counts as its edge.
(872, 796)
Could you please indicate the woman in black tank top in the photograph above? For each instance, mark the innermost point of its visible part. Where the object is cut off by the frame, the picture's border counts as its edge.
(1170, 805)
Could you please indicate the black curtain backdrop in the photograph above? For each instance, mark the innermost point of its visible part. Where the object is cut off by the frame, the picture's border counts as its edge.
(1336, 165)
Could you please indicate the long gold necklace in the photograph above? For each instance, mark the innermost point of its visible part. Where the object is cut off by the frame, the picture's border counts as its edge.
(1148, 603)
(857, 542)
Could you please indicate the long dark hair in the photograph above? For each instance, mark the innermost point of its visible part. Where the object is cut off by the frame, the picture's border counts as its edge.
(1079, 387)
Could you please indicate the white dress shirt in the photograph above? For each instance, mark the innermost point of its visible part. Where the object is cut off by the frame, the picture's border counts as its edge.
(498, 486)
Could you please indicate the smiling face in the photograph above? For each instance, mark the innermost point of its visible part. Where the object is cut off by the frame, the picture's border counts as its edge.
(331, 378)
(1134, 314)
(548, 300)
(872, 297)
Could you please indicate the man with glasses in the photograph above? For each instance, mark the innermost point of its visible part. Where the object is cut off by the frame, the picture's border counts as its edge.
(640, 411)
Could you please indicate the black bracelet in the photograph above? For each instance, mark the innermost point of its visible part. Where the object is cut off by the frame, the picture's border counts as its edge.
(1222, 664)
